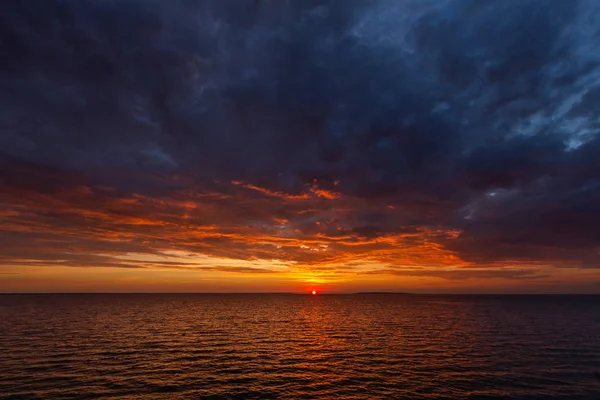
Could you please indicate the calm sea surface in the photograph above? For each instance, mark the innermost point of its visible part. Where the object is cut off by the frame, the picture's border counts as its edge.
(299, 347)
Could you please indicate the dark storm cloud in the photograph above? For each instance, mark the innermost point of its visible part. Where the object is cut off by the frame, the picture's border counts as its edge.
(393, 117)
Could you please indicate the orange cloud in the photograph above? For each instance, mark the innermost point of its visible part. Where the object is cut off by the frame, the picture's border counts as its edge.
(317, 236)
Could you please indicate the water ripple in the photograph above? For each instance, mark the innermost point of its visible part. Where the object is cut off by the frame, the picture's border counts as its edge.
(283, 346)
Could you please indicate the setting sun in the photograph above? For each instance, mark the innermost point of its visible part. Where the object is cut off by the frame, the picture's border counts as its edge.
(314, 292)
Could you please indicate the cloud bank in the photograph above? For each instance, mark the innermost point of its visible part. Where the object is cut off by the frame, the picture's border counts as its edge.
(327, 135)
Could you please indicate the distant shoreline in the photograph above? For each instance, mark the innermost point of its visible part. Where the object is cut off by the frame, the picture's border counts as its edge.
(383, 293)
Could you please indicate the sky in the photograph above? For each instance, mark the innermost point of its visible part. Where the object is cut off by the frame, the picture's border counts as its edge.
(427, 146)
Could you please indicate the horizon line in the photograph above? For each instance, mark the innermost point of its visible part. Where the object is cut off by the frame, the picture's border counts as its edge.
(303, 293)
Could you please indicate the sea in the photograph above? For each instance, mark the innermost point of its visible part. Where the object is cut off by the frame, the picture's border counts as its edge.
(289, 346)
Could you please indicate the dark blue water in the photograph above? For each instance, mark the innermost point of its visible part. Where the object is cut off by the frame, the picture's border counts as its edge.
(295, 346)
